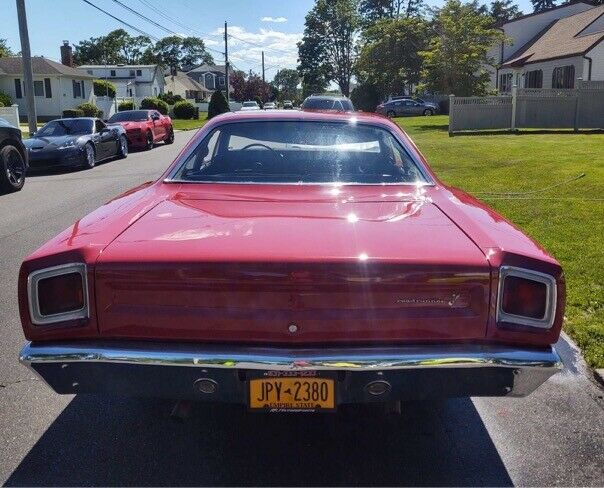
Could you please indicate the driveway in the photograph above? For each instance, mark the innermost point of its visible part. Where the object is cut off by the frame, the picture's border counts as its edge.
(553, 437)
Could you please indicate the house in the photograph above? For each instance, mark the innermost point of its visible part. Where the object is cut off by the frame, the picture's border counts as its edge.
(212, 77)
(131, 81)
(56, 87)
(552, 48)
(186, 87)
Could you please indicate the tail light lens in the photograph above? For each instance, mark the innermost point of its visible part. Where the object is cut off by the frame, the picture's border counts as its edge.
(58, 294)
(526, 297)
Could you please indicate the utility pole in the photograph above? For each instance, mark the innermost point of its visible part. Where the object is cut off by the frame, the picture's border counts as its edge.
(263, 80)
(226, 60)
(27, 70)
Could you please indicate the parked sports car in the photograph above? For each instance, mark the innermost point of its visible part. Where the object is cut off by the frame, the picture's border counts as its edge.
(80, 142)
(144, 128)
(13, 158)
(293, 261)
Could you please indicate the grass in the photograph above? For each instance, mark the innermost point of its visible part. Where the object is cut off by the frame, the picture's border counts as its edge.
(181, 124)
(567, 220)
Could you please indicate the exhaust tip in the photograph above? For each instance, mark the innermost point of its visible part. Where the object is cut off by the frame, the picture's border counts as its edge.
(378, 387)
(206, 386)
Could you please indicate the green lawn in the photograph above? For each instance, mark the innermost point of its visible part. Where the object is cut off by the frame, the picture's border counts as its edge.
(568, 219)
(180, 124)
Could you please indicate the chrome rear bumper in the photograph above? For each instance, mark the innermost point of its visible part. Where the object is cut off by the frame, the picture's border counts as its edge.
(171, 370)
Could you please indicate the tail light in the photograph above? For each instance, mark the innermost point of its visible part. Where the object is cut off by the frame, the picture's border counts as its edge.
(58, 294)
(526, 297)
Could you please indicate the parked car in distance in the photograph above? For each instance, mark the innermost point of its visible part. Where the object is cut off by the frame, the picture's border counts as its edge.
(269, 106)
(250, 106)
(78, 142)
(13, 158)
(407, 106)
(144, 128)
(293, 261)
(288, 105)
(328, 102)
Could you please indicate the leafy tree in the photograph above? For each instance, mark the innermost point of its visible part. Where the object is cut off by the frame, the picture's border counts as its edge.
(366, 97)
(389, 61)
(504, 10)
(456, 55)
(540, 5)
(326, 52)
(286, 83)
(181, 52)
(218, 104)
(373, 10)
(117, 47)
(4, 49)
(249, 88)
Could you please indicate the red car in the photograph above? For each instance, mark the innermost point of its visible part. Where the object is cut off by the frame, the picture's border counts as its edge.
(293, 261)
(144, 128)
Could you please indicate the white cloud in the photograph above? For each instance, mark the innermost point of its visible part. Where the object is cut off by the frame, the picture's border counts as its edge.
(277, 20)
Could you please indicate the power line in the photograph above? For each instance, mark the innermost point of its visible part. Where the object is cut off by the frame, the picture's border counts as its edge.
(121, 21)
(170, 31)
(267, 48)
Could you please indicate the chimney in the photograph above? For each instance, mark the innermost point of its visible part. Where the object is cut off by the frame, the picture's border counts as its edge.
(67, 54)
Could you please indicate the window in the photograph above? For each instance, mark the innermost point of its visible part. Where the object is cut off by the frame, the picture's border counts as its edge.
(563, 77)
(139, 72)
(77, 89)
(18, 91)
(221, 81)
(66, 127)
(99, 125)
(132, 72)
(300, 152)
(112, 73)
(505, 82)
(47, 88)
(129, 116)
(38, 88)
(533, 79)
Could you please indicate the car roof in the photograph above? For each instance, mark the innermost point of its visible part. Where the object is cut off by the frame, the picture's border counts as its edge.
(328, 97)
(301, 115)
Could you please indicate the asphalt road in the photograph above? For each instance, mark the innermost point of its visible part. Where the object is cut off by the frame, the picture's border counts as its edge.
(553, 437)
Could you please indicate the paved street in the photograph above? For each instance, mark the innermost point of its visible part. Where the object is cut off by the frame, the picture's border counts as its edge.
(553, 437)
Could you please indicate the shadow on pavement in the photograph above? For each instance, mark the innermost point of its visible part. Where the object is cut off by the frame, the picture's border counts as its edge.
(99, 441)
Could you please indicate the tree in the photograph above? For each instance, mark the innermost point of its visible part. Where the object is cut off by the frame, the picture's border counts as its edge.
(454, 62)
(326, 52)
(366, 97)
(4, 49)
(286, 82)
(373, 10)
(504, 10)
(389, 60)
(249, 88)
(181, 52)
(218, 105)
(540, 5)
(117, 47)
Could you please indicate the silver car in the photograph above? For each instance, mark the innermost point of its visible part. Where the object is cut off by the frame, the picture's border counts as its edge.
(407, 106)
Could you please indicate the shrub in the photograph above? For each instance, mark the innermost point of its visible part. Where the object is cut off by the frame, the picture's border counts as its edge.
(5, 99)
(153, 103)
(104, 88)
(218, 105)
(170, 98)
(125, 105)
(1, 104)
(184, 110)
(72, 113)
(90, 110)
(365, 97)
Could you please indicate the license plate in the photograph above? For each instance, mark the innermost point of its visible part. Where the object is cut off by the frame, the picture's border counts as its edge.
(292, 394)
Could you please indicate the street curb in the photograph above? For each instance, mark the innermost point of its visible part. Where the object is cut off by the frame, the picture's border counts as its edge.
(599, 375)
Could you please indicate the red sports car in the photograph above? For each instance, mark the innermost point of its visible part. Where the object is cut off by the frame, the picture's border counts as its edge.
(293, 261)
(144, 128)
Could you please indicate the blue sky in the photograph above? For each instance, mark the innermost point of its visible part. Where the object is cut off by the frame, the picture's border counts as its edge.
(270, 25)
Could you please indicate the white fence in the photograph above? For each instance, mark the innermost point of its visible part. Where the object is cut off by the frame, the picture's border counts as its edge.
(203, 106)
(10, 114)
(538, 108)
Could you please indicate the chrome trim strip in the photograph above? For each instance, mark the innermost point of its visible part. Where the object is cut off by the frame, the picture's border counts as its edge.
(551, 296)
(35, 277)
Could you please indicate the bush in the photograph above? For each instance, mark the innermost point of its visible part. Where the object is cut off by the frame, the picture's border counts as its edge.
(153, 103)
(73, 113)
(5, 99)
(185, 110)
(170, 99)
(90, 110)
(218, 105)
(125, 105)
(1, 104)
(104, 88)
(365, 97)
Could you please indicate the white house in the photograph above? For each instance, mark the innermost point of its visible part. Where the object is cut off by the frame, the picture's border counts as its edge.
(551, 49)
(56, 87)
(186, 87)
(131, 81)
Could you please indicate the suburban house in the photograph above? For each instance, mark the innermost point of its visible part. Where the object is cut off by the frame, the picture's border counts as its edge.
(186, 87)
(131, 81)
(212, 77)
(56, 87)
(552, 48)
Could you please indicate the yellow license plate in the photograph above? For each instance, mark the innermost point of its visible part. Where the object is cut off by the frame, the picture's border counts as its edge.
(292, 394)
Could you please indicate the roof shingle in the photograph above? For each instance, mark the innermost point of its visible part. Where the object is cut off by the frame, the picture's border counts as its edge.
(40, 66)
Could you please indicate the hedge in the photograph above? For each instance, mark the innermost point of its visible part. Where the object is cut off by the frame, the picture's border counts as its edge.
(218, 104)
(5, 99)
(73, 113)
(170, 98)
(104, 88)
(1, 104)
(125, 105)
(153, 103)
(184, 110)
(90, 110)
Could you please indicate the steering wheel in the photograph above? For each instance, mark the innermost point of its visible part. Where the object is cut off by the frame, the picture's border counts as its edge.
(259, 144)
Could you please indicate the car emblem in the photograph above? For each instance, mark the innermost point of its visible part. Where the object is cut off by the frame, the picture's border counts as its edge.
(293, 328)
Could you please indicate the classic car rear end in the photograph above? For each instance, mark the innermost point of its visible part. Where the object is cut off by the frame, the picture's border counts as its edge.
(293, 261)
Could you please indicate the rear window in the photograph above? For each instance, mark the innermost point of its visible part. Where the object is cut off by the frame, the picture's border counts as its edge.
(130, 116)
(299, 152)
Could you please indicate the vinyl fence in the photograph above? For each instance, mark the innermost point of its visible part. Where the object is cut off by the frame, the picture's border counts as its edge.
(579, 108)
(10, 114)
